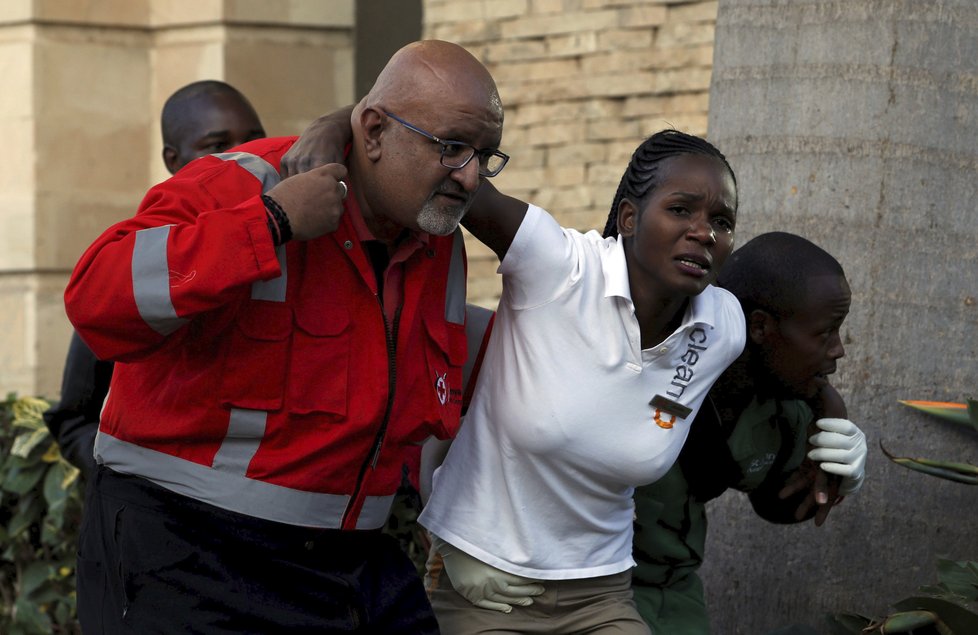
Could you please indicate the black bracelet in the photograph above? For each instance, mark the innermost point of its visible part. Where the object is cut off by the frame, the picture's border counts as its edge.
(282, 232)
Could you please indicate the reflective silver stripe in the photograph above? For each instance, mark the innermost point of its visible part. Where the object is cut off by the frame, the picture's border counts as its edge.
(151, 281)
(245, 431)
(455, 285)
(235, 492)
(476, 323)
(259, 168)
(271, 290)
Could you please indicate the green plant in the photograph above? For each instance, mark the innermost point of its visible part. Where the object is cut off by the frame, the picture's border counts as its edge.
(951, 606)
(965, 414)
(40, 510)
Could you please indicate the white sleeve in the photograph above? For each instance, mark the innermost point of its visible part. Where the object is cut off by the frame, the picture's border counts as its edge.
(540, 262)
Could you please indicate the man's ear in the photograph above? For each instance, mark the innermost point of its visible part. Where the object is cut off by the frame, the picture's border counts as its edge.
(170, 159)
(627, 216)
(372, 124)
(760, 326)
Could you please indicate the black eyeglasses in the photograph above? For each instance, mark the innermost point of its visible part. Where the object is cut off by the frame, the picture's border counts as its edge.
(456, 155)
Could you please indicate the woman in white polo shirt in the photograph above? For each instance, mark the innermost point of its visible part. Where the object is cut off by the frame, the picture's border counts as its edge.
(602, 351)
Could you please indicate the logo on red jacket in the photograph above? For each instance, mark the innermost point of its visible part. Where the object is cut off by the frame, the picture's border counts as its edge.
(441, 388)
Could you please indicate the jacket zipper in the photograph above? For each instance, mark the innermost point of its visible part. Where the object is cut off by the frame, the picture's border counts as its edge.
(370, 461)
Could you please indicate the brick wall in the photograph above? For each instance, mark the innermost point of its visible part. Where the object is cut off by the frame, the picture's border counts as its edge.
(583, 82)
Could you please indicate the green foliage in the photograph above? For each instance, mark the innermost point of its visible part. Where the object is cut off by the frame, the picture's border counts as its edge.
(947, 608)
(965, 414)
(40, 511)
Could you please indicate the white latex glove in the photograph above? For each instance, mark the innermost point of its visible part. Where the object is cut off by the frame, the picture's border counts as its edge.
(840, 449)
(483, 585)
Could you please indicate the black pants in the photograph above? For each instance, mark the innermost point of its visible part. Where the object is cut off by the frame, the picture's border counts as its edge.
(151, 561)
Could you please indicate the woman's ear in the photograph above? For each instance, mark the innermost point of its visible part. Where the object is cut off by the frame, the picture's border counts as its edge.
(627, 216)
(760, 326)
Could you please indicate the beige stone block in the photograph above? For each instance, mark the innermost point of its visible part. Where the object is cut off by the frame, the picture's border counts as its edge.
(615, 39)
(556, 134)
(17, 70)
(16, 11)
(53, 332)
(17, 337)
(290, 77)
(604, 129)
(126, 13)
(582, 154)
(620, 84)
(513, 51)
(543, 7)
(643, 16)
(564, 45)
(607, 4)
(537, 70)
(682, 57)
(18, 160)
(68, 221)
(690, 123)
(694, 12)
(17, 231)
(302, 13)
(644, 106)
(34, 340)
(501, 9)
(536, 26)
(678, 34)
(451, 12)
(627, 60)
(681, 80)
(464, 33)
(563, 175)
(522, 178)
(605, 173)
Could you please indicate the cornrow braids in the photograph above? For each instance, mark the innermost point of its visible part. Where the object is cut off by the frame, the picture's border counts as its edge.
(641, 175)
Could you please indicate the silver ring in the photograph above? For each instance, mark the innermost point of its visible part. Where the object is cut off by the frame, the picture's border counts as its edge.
(343, 185)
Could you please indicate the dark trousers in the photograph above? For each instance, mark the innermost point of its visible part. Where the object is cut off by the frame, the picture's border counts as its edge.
(151, 561)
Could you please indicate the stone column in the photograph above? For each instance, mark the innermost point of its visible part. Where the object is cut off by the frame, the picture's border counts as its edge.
(84, 83)
(855, 124)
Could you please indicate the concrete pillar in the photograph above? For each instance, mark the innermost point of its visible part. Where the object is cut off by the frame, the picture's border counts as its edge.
(855, 124)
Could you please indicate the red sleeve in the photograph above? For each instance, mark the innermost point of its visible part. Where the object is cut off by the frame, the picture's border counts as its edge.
(197, 243)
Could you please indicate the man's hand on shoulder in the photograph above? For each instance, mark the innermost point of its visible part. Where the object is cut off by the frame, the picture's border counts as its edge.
(322, 142)
(313, 200)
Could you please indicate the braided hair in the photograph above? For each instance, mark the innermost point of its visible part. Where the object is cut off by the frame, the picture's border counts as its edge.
(641, 176)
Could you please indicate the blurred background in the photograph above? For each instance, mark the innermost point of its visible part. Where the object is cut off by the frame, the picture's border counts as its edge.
(853, 123)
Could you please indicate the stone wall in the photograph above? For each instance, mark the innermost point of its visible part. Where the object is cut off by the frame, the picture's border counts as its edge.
(583, 82)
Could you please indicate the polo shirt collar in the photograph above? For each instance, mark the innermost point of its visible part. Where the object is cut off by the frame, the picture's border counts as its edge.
(700, 310)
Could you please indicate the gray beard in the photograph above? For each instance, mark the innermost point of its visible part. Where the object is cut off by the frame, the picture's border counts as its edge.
(440, 221)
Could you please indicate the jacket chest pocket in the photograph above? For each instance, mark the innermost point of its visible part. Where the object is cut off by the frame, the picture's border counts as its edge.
(257, 356)
(320, 369)
(445, 351)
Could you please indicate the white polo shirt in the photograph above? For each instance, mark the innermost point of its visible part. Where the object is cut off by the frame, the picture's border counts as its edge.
(539, 481)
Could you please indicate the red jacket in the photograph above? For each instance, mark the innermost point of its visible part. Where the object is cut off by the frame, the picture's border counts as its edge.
(261, 380)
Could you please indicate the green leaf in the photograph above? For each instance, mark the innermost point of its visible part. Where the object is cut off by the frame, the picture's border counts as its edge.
(848, 623)
(973, 412)
(53, 491)
(28, 512)
(29, 618)
(960, 578)
(23, 479)
(25, 443)
(959, 472)
(35, 575)
(958, 618)
(947, 410)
